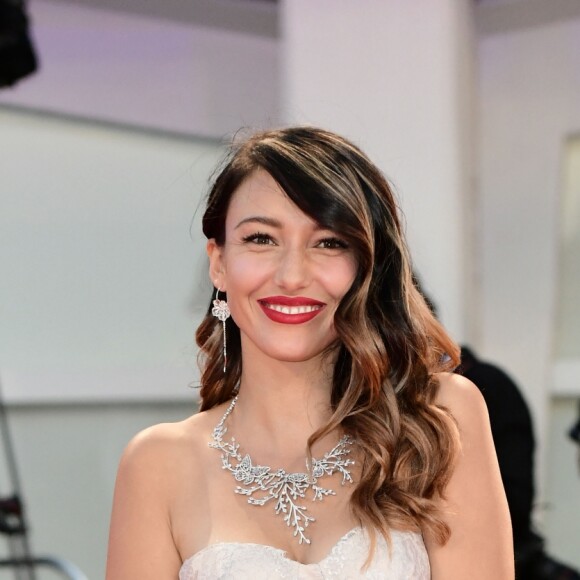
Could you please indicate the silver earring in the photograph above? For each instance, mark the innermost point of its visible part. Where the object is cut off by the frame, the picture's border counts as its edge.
(221, 311)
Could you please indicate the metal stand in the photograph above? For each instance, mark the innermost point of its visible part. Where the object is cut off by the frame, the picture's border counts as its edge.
(13, 522)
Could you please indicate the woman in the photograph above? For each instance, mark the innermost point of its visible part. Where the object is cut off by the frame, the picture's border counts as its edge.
(332, 442)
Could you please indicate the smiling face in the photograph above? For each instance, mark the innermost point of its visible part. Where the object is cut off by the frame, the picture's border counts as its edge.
(284, 275)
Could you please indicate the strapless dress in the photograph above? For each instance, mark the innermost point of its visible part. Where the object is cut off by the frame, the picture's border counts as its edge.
(407, 560)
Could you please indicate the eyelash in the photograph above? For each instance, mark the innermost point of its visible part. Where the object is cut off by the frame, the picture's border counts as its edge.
(258, 238)
(334, 244)
(262, 239)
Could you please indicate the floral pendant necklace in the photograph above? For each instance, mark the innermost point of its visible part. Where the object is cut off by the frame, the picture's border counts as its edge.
(285, 489)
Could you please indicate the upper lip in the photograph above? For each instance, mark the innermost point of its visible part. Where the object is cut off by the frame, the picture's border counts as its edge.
(291, 301)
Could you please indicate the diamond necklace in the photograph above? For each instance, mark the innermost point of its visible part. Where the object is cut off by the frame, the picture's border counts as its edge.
(286, 489)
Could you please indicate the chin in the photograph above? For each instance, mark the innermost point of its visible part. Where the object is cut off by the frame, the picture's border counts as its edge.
(287, 349)
(296, 356)
(293, 357)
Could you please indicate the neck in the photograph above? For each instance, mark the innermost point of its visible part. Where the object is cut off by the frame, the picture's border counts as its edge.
(282, 403)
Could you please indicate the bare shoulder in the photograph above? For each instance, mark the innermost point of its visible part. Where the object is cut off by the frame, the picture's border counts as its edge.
(460, 396)
(161, 443)
(159, 477)
(474, 506)
(165, 444)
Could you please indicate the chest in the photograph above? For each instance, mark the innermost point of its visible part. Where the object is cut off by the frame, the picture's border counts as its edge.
(247, 503)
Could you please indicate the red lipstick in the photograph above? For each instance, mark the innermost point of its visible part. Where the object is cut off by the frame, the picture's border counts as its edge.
(290, 309)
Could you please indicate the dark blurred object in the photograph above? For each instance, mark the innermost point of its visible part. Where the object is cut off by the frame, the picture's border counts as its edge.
(575, 431)
(17, 56)
(513, 437)
(542, 567)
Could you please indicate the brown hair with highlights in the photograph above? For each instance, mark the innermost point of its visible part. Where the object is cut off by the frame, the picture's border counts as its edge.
(390, 347)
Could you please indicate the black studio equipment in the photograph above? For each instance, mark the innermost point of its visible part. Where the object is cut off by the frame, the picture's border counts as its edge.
(17, 56)
(17, 559)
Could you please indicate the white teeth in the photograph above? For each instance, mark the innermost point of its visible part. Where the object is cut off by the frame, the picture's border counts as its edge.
(292, 309)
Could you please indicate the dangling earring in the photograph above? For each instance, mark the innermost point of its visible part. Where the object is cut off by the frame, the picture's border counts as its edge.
(221, 311)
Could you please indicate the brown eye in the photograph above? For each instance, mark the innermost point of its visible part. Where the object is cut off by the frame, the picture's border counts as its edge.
(333, 244)
(258, 239)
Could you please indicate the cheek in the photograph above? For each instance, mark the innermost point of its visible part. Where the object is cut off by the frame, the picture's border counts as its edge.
(246, 270)
(245, 275)
(338, 279)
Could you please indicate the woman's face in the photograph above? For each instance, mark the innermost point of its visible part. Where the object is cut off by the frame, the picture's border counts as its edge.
(284, 275)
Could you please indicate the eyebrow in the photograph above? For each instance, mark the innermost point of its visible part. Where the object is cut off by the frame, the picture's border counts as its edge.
(268, 221)
(258, 219)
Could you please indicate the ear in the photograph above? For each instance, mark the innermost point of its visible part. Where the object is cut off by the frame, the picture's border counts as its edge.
(216, 264)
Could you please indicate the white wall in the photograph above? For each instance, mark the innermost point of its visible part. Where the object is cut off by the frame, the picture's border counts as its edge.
(103, 264)
(529, 93)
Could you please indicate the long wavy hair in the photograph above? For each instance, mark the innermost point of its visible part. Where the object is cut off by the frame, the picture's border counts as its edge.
(389, 347)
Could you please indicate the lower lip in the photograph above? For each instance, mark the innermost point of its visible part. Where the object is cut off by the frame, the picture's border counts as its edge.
(284, 318)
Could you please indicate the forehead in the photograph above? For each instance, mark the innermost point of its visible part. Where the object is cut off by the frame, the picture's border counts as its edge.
(261, 195)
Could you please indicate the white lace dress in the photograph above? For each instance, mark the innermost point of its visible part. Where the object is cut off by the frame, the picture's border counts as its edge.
(407, 560)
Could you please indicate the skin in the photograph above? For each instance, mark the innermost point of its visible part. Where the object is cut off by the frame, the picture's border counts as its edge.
(172, 498)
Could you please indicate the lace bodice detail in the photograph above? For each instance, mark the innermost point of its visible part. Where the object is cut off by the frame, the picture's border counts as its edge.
(407, 560)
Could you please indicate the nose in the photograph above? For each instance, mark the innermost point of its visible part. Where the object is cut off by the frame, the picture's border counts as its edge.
(293, 270)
